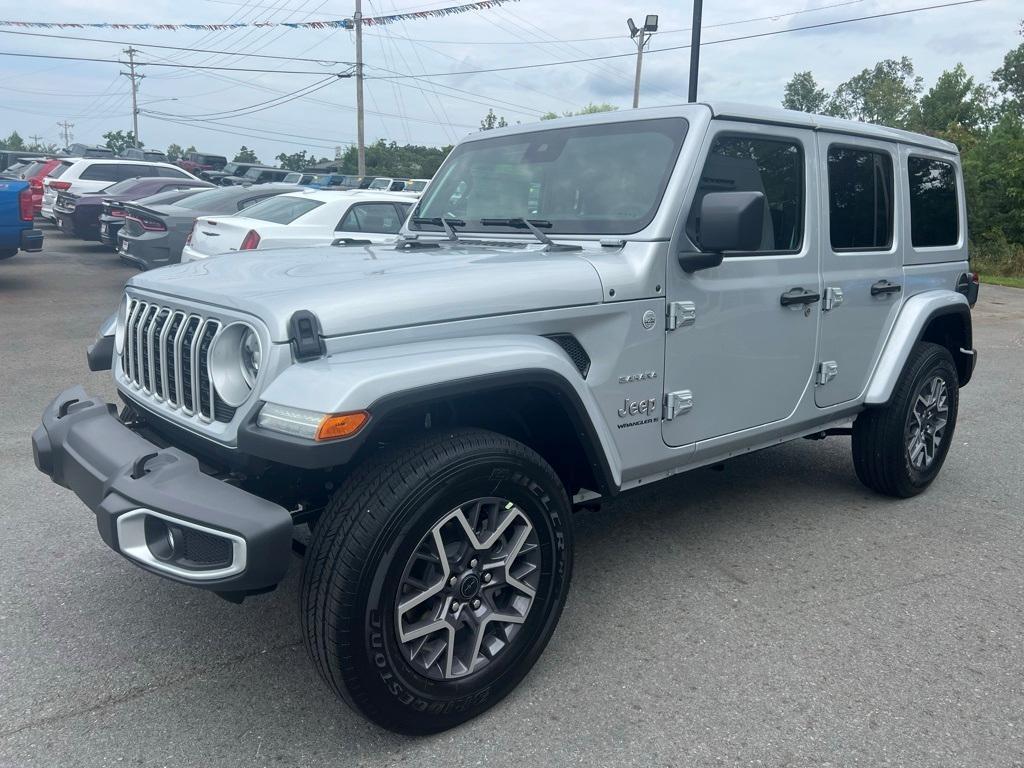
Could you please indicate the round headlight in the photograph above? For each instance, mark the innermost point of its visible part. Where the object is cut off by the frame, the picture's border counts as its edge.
(122, 321)
(235, 363)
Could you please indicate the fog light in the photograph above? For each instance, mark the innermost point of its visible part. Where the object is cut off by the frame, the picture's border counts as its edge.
(165, 540)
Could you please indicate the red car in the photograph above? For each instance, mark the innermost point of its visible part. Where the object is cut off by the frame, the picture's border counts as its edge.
(34, 175)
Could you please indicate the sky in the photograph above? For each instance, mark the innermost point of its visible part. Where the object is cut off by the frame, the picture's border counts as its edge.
(441, 108)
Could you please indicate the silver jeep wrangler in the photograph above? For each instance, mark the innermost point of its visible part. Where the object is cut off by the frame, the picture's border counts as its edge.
(575, 309)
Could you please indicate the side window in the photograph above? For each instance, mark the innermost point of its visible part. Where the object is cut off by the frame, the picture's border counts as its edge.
(379, 218)
(774, 167)
(101, 172)
(126, 171)
(170, 173)
(934, 213)
(403, 210)
(860, 199)
(248, 201)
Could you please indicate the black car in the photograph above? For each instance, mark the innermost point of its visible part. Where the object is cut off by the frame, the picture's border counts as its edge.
(114, 213)
(257, 174)
(79, 215)
(232, 170)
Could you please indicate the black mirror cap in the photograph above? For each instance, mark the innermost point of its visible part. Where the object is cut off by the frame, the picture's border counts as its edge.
(731, 221)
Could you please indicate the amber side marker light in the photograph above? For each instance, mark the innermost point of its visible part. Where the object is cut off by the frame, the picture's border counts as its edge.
(341, 425)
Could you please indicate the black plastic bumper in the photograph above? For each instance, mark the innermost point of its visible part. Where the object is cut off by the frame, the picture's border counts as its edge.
(32, 240)
(82, 445)
(100, 354)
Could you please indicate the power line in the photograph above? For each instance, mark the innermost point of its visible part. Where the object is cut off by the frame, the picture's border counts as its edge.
(263, 105)
(176, 66)
(684, 47)
(325, 62)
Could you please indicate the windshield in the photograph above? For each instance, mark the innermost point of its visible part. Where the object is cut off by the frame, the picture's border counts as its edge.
(212, 160)
(380, 184)
(253, 173)
(231, 169)
(280, 210)
(589, 180)
(211, 197)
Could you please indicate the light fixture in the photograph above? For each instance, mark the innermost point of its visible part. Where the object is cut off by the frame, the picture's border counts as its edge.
(632, 27)
(651, 23)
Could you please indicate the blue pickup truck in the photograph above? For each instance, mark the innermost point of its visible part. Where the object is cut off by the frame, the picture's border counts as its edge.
(16, 230)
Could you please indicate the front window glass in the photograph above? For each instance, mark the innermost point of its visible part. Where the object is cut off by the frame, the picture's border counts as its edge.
(252, 173)
(415, 186)
(860, 202)
(231, 169)
(380, 184)
(380, 218)
(774, 167)
(281, 210)
(594, 179)
(934, 216)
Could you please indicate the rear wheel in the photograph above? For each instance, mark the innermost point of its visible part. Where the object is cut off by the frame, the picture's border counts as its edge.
(436, 577)
(6, 253)
(899, 449)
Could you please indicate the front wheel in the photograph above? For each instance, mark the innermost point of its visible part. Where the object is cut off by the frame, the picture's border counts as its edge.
(898, 449)
(436, 577)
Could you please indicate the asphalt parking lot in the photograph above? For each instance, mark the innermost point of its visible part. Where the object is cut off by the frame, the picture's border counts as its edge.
(773, 613)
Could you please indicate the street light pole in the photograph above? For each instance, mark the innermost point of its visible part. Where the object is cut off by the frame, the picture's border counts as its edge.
(360, 138)
(642, 35)
(695, 48)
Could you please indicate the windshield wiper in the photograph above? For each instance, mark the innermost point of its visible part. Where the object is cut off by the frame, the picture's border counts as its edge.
(439, 221)
(532, 225)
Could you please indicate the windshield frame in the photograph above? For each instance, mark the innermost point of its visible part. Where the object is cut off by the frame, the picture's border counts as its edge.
(675, 127)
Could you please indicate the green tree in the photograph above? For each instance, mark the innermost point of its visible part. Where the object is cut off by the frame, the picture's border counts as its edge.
(590, 109)
(174, 153)
(994, 175)
(389, 159)
(246, 155)
(955, 100)
(491, 120)
(14, 141)
(803, 94)
(118, 141)
(1009, 79)
(885, 94)
(293, 162)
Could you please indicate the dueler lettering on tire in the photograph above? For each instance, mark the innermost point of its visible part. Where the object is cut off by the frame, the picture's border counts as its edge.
(436, 577)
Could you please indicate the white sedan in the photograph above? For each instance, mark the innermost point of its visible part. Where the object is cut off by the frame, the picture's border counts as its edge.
(314, 217)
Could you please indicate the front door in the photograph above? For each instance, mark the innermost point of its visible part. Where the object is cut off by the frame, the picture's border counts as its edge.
(746, 359)
(861, 260)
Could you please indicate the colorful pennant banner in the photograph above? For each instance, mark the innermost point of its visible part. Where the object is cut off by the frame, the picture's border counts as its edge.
(369, 21)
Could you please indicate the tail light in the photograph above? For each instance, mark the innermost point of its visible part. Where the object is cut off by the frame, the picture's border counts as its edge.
(148, 224)
(251, 241)
(60, 185)
(35, 182)
(25, 207)
(119, 212)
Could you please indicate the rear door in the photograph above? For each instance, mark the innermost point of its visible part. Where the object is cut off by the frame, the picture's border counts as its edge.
(738, 358)
(862, 265)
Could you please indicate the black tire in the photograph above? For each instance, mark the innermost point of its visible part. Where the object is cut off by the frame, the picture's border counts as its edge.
(7, 253)
(881, 455)
(360, 554)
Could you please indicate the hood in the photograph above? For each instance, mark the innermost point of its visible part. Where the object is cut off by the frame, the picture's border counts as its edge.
(366, 288)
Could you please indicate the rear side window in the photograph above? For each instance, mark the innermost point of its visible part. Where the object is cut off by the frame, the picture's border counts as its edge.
(281, 210)
(101, 172)
(860, 200)
(934, 213)
(379, 218)
(774, 167)
(170, 173)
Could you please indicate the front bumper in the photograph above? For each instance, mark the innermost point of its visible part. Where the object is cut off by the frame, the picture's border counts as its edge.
(146, 497)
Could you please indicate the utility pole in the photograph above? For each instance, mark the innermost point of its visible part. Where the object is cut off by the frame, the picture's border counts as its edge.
(360, 138)
(135, 78)
(695, 48)
(642, 35)
(36, 139)
(65, 128)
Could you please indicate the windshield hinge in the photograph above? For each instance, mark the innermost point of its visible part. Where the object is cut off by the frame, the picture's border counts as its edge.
(681, 313)
(677, 403)
(833, 298)
(827, 371)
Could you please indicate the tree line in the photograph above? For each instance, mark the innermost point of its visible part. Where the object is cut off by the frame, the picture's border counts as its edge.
(984, 118)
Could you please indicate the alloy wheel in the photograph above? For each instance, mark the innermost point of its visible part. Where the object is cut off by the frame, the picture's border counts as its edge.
(926, 424)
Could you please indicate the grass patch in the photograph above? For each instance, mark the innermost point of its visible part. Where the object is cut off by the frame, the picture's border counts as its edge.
(1012, 282)
(996, 258)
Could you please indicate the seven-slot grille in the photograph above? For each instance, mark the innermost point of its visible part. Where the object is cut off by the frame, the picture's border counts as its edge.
(167, 356)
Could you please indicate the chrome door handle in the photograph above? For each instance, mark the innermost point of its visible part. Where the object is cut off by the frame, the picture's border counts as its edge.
(884, 286)
(798, 296)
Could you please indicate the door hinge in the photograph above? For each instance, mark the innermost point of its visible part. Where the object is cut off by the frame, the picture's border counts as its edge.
(681, 313)
(833, 298)
(677, 403)
(827, 371)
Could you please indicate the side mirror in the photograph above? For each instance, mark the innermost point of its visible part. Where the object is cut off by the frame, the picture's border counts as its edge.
(729, 221)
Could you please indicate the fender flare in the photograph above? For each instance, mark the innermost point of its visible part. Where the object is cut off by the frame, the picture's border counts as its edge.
(914, 317)
(385, 380)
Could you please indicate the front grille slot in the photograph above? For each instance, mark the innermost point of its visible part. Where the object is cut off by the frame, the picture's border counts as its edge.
(167, 357)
